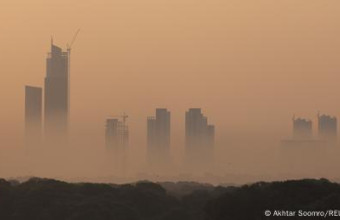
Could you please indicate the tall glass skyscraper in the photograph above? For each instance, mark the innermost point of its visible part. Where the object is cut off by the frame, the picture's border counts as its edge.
(56, 95)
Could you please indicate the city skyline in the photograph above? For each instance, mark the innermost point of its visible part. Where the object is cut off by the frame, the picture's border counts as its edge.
(169, 109)
(318, 71)
(249, 67)
(199, 135)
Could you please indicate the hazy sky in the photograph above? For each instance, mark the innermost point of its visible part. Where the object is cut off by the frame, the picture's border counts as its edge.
(249, 64)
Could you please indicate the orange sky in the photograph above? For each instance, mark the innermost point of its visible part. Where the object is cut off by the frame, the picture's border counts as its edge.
(249, 64)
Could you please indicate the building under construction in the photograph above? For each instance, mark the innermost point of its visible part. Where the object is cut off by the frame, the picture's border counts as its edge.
(117, 134)
(57, 94)
(117, 141)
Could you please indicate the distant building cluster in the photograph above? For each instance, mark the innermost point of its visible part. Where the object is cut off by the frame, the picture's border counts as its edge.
(303, 132)
(199, 139)
(53, 103)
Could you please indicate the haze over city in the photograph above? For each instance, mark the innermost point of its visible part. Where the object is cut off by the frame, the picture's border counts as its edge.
(250, 67)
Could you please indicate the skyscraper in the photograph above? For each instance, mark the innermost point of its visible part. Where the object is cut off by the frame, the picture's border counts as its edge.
(302, 129)
(33, 116)
(57, 95)
(199, 138)
(327, 127)
(158, 138)
(116, 140)
(116, 135)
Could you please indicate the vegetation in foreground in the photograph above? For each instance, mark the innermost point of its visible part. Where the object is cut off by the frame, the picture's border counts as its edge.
(48, 199)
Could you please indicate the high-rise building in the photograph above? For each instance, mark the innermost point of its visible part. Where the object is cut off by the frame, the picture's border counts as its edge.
(33, 116)
(199, 137)
(158, 138)
(116, 135)
(57, 95)
(302, 129)
(116, 140)
(327, 127)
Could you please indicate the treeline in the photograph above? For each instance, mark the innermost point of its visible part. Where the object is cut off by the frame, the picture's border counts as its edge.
(46, 199)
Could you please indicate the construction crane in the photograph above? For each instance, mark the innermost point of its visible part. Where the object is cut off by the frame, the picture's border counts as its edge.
(124, 116)
(69, 45)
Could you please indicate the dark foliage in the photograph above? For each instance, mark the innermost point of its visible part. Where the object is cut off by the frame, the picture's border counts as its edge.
(41, 199)
(251, 201)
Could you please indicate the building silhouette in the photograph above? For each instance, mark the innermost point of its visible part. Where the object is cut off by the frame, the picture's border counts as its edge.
(158, 138)
(302, 152)
(117, 135)
(302, 129)
(199, 138)
(327, 127)
(117, 140)
(57, 96)
(33, 116)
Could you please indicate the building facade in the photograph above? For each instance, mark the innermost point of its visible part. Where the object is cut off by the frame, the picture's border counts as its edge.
(327, 127)
(158, 138)
(33, 116)
(199, 139)
(117, 141)
(302, 129)
(57, 95)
